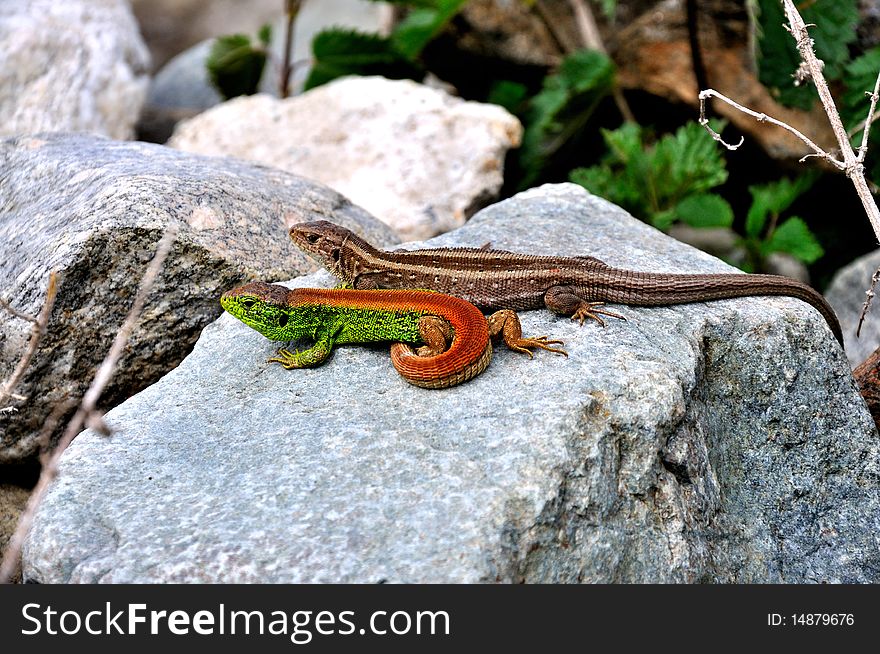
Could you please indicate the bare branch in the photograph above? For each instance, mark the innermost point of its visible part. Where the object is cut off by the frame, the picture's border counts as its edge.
(86, 411)
(863, 148)
(852, 164)
(39, 329)
(762, 118)
(589, 31)
(15, 312)
(586, 23)
(868, 299)
(291, 9)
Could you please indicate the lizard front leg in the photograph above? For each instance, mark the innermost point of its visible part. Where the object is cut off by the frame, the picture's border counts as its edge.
(506, 323)
(567, 301)
(313, 356)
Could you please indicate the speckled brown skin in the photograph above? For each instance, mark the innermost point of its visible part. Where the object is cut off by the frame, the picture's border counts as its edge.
(493, 279)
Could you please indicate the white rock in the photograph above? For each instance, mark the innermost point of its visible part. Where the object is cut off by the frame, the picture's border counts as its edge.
(419, 159)
(77, 66)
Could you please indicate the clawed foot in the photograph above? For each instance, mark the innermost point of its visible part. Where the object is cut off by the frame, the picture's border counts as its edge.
(286, 358)
(313, 356)
(588, 310)
(521, 345)
(506, 323)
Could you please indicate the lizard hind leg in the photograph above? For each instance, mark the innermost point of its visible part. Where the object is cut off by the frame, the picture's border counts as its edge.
(437, 334)
(567, 301)
(506, 323)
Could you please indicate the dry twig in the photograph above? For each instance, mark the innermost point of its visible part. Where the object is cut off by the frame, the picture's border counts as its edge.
(589, 31)
(39, 329)
(851, 163)
(86, 413)
(291, 9)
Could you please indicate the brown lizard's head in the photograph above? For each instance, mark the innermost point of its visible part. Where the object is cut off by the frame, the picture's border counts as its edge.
(334, 247)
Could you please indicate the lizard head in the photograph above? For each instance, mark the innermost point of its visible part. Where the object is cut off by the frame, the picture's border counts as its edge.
(264, 307)
(331, 246)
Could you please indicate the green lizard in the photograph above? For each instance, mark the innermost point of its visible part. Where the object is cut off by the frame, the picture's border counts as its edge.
(331, 317)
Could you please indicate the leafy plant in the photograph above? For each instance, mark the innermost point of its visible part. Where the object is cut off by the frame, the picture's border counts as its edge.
(562, 107)
(235, 63)
(339, 52)
(608, 7)
(859, 77)
(832, 28)
(664, 182)
(766, 233)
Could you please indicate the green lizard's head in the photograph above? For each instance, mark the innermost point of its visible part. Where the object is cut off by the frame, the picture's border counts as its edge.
(265, 308)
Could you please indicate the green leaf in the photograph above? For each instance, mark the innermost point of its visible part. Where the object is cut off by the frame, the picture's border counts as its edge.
(859, 77)
(235, 65)
(795, 238)
(510, 95)
(773, 199)
(560, 110)
(688, 162)
(341, 52)
(832, 27)
(704, 210)
(265, 35)
(656, 183)
(624, 143)
(663, 220)
(608, 7)
(599, 180)
(427, 4)
(422, 24)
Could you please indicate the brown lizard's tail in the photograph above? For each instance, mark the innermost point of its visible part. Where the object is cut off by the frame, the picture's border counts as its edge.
(656, 289)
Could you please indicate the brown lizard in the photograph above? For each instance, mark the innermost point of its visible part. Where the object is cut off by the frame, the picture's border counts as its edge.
(493, 279)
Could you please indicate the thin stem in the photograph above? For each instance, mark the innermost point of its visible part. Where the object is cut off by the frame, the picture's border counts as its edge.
(37, 332)
(853, 167)
(868, 299)
(15, 312)
(863, 148)
(761, 118)
(591, 38)
(291, 9)
(86, 411)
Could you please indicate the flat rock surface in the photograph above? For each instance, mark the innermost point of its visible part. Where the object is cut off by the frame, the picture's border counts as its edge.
(93, 210)
(712, 442)
(417, 158)
(73, 66)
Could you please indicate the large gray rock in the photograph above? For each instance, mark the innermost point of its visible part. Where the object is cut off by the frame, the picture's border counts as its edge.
(93, 210)
(846, 294)
(419, 159)
(76, 66)
(708, 442)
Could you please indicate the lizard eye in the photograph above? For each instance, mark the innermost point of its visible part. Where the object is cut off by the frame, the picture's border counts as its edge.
(248, 303)
(282, 320)
(312, 238)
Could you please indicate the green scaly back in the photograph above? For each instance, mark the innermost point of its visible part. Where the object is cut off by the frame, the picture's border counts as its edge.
(271, 310)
